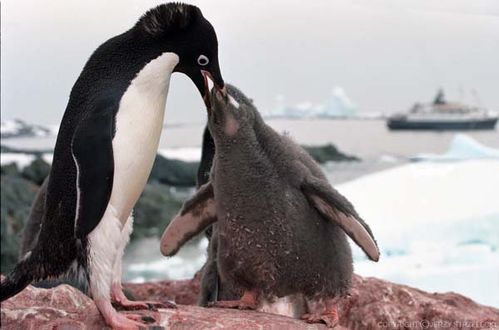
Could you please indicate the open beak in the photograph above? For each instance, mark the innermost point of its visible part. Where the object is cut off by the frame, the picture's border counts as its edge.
(221, 89)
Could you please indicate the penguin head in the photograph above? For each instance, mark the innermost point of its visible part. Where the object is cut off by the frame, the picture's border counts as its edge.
(181, 29)
(233, 114)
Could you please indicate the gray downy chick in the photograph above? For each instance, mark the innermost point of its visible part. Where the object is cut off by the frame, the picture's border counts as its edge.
(280, 226)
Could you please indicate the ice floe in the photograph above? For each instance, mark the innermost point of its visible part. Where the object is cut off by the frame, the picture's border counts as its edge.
(462, 147)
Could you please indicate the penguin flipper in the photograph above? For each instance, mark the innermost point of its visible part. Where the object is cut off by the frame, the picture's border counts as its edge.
(336, 208)
(196, 214)
(92, 151)
(34, 223)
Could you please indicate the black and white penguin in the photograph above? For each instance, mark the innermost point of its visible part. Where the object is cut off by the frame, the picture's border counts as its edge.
(106, 147)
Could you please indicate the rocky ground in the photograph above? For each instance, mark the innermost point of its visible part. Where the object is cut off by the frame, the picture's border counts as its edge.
(374, 304)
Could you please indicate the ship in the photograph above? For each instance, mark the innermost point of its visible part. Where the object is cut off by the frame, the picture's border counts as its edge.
(443, 115)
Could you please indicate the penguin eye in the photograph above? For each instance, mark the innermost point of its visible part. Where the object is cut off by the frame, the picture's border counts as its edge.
(203, 60)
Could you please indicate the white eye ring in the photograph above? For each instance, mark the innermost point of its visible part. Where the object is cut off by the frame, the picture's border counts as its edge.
(203, 60)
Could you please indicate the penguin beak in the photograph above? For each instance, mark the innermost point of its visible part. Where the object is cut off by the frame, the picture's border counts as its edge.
(202, 78)
(218, 84)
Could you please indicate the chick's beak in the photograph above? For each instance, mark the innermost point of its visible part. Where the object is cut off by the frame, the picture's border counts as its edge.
(218, 84)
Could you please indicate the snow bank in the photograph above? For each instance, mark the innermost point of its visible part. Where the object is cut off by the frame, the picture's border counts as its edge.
(421, 193)
(17, 128)
(156, 267)
(10, 127)
(21, 160)
(191, 154)
(437, 225)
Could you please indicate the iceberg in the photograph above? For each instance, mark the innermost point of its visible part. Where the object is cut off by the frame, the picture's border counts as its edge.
(462, 147)
(338, 105)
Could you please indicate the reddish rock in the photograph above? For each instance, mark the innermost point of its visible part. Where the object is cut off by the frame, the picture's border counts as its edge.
(374, 304)
(194, 317)
(184, 292)
(63, 307)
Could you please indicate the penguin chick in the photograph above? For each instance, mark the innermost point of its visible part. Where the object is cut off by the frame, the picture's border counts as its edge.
(280, 225)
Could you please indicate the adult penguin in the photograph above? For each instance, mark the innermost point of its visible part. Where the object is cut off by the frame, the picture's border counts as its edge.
(105, 149)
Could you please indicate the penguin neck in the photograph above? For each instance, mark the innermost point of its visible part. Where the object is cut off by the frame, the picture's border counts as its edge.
(154, 79)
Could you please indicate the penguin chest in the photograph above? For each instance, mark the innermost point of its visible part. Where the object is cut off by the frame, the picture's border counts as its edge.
(138, 126)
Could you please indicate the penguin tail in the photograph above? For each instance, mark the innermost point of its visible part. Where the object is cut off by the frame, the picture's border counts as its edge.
(19, 278)
(11, 286)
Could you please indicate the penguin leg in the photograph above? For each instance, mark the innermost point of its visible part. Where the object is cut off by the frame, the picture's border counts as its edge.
(249, 300)
(210, 280)
(104, 244)
(323, 311)
(117, 295)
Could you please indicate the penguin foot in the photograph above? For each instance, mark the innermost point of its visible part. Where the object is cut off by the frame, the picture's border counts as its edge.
(249, 300)
(121, 300)
(125, 322)
(150, 305)
(139, 317)
(116, 320)
(331, 318)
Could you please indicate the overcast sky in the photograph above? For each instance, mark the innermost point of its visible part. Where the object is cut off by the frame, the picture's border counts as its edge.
(385, 54)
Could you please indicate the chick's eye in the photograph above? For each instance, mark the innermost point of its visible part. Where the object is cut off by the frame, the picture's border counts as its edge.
(203, 60)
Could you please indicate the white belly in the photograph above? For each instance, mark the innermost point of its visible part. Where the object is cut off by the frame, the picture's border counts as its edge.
(139, 122)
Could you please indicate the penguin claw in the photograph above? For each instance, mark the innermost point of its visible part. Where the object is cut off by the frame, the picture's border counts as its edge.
(131, 305)
(159, 304)
(126, 322)
(150, 305)
(249, 300)
(119, 299)
(232, 304)
(139, 317)
(120, 321)
(331, 319)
